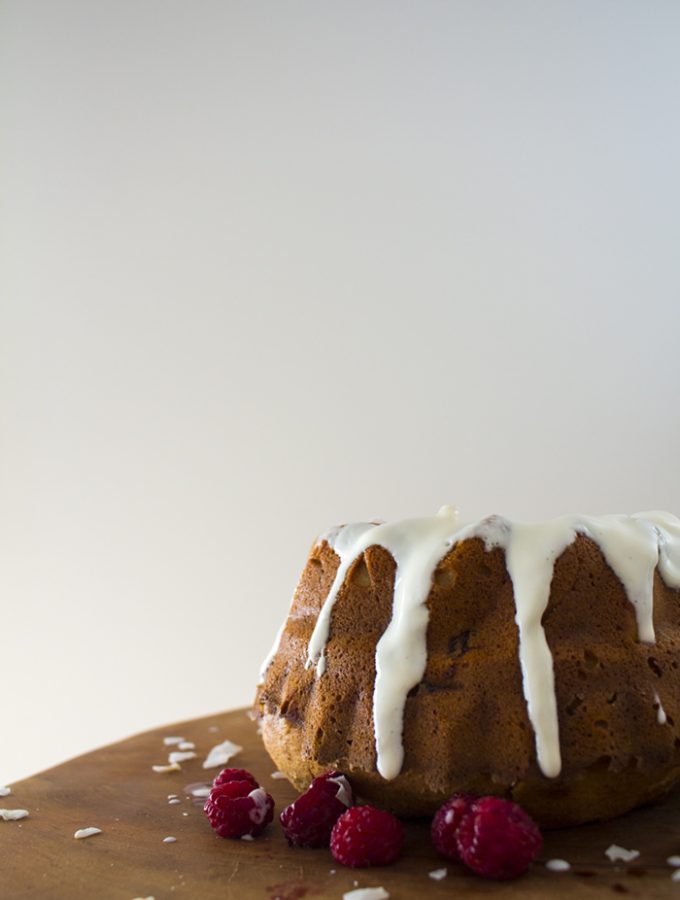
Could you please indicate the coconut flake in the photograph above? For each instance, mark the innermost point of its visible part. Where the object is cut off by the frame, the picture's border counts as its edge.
(221, 754)
(259, 812)
(676, 875)
(344, 792)
(372, 893)
(180, 756)
(277, 775)
(5, 791)
(172, 741)
(201, 792)
(174, 801)
(173, 767)
(673, 861)
(438, 874)
(558, 865)
(186, 745)
(11, 815)
(86, 833)
(247, 837)
(169, 839)
(616, 854)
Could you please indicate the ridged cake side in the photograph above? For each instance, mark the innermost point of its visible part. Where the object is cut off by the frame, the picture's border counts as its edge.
(466, 726)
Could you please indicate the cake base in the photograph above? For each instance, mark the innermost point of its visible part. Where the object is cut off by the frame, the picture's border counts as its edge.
(115, 789)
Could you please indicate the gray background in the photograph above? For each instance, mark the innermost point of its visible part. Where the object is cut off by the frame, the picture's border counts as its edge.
(272, 266)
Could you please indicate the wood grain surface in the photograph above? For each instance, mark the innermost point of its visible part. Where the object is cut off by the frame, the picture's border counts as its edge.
(116, 790)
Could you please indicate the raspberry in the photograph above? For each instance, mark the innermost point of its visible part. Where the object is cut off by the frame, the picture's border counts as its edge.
(236, 808)
(366, 836)
(235, 775)
(309, 820)
(446, 821)
(497, 839)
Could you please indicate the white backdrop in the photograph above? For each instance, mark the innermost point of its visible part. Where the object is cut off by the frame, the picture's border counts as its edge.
(272, 266)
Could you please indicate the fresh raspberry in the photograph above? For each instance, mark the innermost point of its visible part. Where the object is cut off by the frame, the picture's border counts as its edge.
(236, 808)
(309, 820)
(497, 839)
(446, 821)
(235, 775)
(366, 836)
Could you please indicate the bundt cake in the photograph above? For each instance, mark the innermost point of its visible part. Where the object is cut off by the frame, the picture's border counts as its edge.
(533, 661)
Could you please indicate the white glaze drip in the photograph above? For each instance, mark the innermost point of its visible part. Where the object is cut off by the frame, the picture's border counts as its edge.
(272, 653)
(343, 533)
(345, 541)
(524, 545)
(667, 528)
(661, 716)
(632, 546)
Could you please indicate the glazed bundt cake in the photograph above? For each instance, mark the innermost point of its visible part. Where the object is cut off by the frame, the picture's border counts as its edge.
(536, 662)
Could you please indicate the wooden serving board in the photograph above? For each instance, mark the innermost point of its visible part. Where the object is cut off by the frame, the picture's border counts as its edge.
(116, 790)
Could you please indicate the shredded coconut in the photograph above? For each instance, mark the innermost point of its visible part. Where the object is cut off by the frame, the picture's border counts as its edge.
(673, 861)
(221, 754)
(372, 893)
(438, 874)
(172, 741)
(277, 775)
(616, 854)
(5, 791)
(180, 756)
(201, 792)
(258, 813)
(247, 837)
(344, 792)
(187, 745)
(11, 815)
(558, 865)
(169, 839)
(676, 875)
(174, 801)
(173, 767)
(86, 833)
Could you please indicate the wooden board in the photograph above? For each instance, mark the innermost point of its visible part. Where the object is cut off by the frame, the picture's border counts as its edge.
(116, 790)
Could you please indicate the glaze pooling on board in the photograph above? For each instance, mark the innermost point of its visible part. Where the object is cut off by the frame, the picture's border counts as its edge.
(633, 547)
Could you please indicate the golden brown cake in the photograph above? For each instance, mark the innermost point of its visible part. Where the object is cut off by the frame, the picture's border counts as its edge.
(535, 662)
